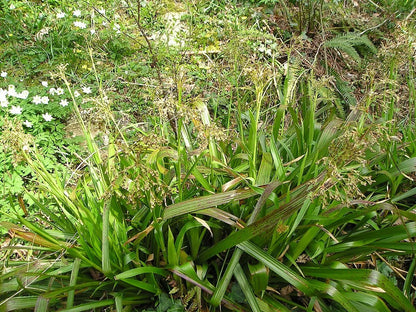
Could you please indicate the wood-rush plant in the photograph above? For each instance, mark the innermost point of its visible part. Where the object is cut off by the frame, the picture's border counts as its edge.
(148, 219)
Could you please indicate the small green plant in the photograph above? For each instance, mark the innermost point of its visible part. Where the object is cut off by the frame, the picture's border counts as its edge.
(351, 43)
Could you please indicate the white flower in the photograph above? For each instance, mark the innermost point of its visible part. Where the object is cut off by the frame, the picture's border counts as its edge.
(60, 15)
(52, 91)
(12, 90)
(59, 91)
(86, 90)
(44, 83)
(116, 27)
(47, 117)
(92, 31)
(44, 100)
(3, 98)
(64, 102)
(104, 23)
(25, 148)
(3, 74)
(76, 94)
(28, 124)
(37, 100)
(15, 110)
(23, 95)
(81, 25)
(77, 13)
(12, 7)
(101, 11)
(4, 102)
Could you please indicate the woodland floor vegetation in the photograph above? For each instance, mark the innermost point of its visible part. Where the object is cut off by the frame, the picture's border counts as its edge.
(207, 155)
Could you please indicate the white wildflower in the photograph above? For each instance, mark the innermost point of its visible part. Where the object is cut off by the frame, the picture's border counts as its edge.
(45, 100)
(64, 102)
(3, 98)
(27, 123)
(15, 110)
(37, 100)
(76, 94)
(81, 25)
(101, 11)
(23, 95)
(47, 117)
(12, 91)
(77, 13)
(4, 102)
(86, 90)
(92, 31)
(3, 74)
(60, 15)
(52, 91)
(44, 83)
(12, 6)
(59, 91)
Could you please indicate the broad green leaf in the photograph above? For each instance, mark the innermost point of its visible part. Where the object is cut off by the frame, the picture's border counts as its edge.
(261, 226)
(265, 170)
(226, 278)
(18, 303)
(367, 280)
(259, 277)
(72, 282)
(140, 271)
(209, 201)
(90, 306)
(246, 288)
(310, 288)
(173, 258)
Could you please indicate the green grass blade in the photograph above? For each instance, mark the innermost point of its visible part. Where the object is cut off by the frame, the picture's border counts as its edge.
(72, 282)
(259, 277)
(90, 306)
(196, 204)
(187, 272)
(368, 280)
(41, 304)
(226, 278)
(310, 288)
(279, 268)
(223, 216)
(105, 247)
(265, 170)
(409, 193)
(142, 285)
(173, 258)
(409, 278)
(139, 271)
(18, 303)
(223, 283)
(118, 300)
(261, 226)
(246, 288)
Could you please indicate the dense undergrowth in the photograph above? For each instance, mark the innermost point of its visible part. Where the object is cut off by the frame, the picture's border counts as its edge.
(207, 155)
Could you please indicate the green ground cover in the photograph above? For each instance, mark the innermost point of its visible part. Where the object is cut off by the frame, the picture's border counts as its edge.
(207, 155)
